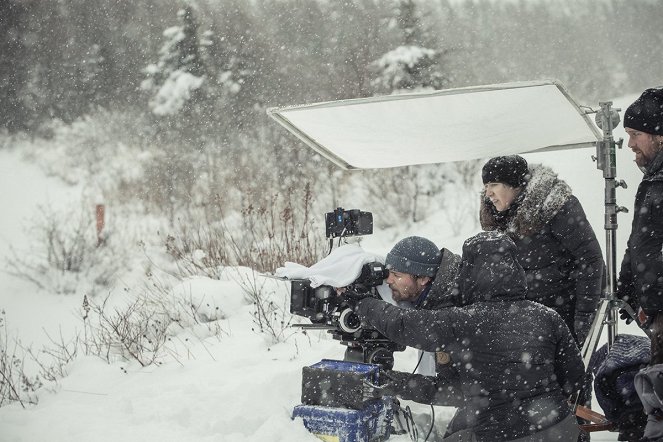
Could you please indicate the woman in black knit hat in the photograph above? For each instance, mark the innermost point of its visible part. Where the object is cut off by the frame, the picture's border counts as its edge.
(557, 246)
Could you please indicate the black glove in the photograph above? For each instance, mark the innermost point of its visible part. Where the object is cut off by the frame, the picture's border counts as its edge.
(623, 314)
(582, 322)
(392, 383)
(372, 391)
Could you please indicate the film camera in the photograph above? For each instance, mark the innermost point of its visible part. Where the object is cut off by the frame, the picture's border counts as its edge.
(327, 309)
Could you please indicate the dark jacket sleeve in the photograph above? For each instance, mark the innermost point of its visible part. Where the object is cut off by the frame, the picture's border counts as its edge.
(569, 368)
(423, 329)
(641, 276)
(571, 228)
(625, 284)
(432, 390)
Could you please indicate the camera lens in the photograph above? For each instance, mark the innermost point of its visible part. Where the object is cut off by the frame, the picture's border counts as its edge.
(348, 321)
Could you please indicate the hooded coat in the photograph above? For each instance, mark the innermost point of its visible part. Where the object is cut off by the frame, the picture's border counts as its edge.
(443, 291)
(557, 246)
(641, 276)
(517, 361)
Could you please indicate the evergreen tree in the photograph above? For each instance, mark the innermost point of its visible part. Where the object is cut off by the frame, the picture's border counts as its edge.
(176, 79)
(411, 66)
(13, 65)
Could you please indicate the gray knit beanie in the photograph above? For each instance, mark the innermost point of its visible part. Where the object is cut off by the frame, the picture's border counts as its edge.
(414, 255)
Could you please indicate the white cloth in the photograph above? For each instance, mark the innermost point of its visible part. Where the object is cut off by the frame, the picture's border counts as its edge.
(338, 269)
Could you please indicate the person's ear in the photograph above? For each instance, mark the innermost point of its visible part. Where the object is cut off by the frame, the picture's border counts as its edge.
(423, 280)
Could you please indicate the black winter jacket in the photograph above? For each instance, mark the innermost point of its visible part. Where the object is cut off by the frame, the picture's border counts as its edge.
(641, 276)
(516, 359)
(556, 244)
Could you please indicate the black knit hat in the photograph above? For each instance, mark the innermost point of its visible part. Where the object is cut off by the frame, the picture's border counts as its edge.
(646, 113)
(511, 170)
(414, 255)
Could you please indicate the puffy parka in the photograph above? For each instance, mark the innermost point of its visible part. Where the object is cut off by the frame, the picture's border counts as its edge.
(557, 246)
(517, 361)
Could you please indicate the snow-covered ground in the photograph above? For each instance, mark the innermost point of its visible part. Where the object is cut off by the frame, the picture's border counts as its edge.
(236, 385)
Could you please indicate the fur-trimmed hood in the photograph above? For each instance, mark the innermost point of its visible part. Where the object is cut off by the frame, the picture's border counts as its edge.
(543, 196)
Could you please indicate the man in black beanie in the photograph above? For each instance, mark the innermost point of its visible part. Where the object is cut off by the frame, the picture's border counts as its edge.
(641, 277)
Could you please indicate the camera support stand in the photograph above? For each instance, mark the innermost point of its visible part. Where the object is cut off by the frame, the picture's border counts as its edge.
(607, 312)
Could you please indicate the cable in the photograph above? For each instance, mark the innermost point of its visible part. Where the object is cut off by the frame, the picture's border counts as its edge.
(409, 422)
(432, 422)
(421, 356)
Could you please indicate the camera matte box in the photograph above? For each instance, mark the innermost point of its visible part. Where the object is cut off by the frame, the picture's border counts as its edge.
(333, 383)
(371, 423)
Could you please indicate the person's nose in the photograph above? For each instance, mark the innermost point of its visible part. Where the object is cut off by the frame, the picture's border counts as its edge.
(390, 278)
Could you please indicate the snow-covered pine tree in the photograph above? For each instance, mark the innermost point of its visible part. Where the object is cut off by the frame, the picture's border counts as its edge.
(180, 72)
(412, 66)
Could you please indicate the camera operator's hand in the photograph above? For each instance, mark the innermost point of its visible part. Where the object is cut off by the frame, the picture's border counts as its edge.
(373, 391)
(623, 314)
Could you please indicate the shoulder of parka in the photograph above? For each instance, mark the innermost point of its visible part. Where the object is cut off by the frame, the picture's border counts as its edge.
(443, 291)
(545, 195)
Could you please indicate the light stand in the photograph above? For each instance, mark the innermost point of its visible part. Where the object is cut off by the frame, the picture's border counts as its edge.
(609, 305)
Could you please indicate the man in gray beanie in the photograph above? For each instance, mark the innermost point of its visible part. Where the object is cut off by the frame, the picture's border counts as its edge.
(423, 277)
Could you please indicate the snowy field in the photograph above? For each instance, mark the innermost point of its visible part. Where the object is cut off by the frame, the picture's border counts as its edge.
(236, 385)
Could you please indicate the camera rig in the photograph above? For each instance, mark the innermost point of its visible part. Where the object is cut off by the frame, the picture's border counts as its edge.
(334, 311)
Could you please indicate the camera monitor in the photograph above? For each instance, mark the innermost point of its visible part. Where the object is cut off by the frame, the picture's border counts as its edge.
(341, 223)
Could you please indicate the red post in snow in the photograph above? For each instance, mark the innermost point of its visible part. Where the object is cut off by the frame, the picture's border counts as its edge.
(100, 224)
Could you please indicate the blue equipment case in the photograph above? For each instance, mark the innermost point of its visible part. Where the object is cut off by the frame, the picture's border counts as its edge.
(370, 424)
(335, 413)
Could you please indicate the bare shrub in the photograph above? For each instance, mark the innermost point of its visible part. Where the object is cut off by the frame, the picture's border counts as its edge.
(145, 328)
(15, 385)
(134, 331)
(58, 354)
(263, 238)
(64, 255)
(405, 192)
(270, 306)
